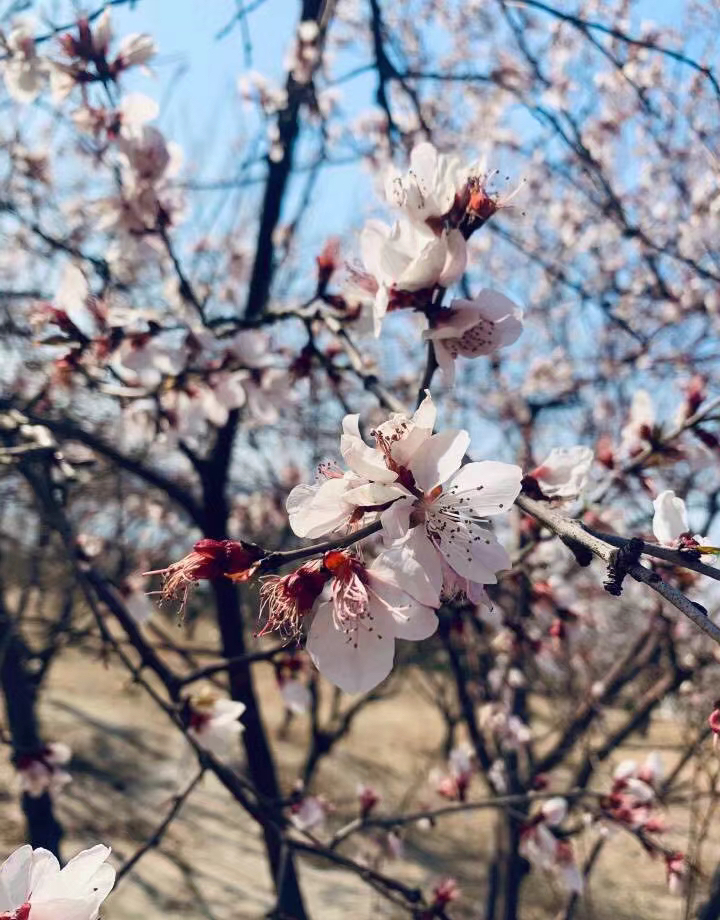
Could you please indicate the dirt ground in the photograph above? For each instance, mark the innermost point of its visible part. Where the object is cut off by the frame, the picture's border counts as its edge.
(129, 762)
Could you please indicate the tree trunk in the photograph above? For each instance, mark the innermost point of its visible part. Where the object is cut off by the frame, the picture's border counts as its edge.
(43, 828)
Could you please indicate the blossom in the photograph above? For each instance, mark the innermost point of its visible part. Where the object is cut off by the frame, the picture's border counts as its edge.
(32, 885)
(542, 849)
(41, 771)
(339, 499)
(213, 722)
(450, 507)
(454, 785)
(24, 72)
(209, 559)
(294, 691)
(368, 798)
(405, 259)
(640, 424)
(564, 472)
(309, 812)
(445, 892)
(134, 50)
(472, 328)
(428, 502)
(287, 600)
(677, 873)
(554, 811)
(321, 508)
(352, 637)
(671, 528)
(670, 520)
(427, 190)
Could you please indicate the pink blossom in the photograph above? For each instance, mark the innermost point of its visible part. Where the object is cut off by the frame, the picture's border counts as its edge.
(407, 259)
(42, 771)
(213, 722)
(472, 328)
(352, 637)
(564, 472)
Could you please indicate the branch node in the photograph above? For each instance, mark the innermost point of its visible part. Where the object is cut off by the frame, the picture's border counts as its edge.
(626, 557)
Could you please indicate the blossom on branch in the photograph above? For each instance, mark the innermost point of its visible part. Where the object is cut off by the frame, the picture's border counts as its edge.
(671, 528)
(470, 328)
(404, 262)
(209, 560)
(564, 472)
(213, 722)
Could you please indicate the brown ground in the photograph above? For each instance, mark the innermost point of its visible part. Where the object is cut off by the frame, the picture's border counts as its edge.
(129, 762)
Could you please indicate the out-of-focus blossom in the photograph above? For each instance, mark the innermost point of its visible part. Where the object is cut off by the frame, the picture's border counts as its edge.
(213, 722)
(564, 472)
(24, 71)
(368, 798)
(309, 813)
(634, 436)
(42, 771)
(454, 785)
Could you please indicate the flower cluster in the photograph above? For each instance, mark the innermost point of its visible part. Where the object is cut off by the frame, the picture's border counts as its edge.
(544, 848)
(409, 264)
(84, 58)
(434, 513)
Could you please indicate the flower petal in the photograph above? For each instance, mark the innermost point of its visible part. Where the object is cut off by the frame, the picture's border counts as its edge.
(670, 518)
(440, 457)
(416, 565)
(355, 662)
(487, 488)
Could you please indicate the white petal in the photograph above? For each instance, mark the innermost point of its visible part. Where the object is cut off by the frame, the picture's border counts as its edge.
(395, 520)
(410, 619)
(471, 550)
(456, 259)
(375, 493)
(425, 269)
(15, 878)
(417, 567)
(315, 511)
(426, 413)
(445, 361)
(227, 711)
(670, 518)
(364, 460)
(440, 457)
(488, 487)
(357, 662)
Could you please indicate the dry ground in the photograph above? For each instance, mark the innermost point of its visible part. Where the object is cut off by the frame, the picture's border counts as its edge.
(129, 762)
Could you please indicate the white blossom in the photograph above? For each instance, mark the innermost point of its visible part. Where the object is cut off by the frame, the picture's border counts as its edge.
(32, 885)
(564, 472)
